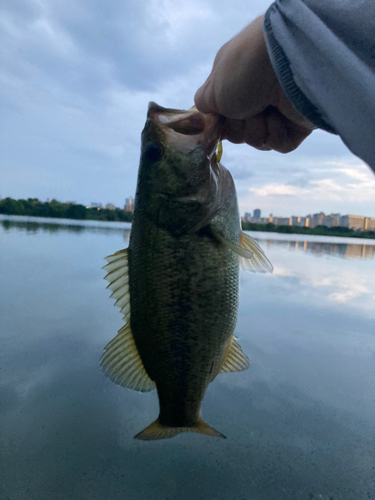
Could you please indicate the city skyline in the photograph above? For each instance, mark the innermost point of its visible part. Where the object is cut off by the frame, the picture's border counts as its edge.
(271, 214)
(351, 221)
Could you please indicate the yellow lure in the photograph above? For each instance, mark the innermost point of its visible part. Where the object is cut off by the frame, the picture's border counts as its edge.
(219, 152)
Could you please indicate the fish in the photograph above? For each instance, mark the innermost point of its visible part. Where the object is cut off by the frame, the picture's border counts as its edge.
(177, 283)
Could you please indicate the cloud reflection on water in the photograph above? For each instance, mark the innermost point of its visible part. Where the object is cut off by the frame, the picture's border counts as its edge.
(299, 422)
(322, 278)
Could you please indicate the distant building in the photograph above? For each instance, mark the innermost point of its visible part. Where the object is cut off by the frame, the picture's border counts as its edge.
(110, 206)
(317, 219)
(280, 221)
(332, 220)
(71, 202)
(293, 221)
(355, 222)
(257, 213)
(254, 220)
(129, 205)
(299, 221)
(94, 204)
(370, 224)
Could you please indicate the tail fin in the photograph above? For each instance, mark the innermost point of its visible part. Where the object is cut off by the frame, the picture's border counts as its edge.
(159, 431)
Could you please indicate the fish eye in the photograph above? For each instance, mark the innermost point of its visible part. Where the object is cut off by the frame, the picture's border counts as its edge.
(152, 152)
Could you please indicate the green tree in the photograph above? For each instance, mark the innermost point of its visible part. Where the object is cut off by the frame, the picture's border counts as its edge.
(76, 212)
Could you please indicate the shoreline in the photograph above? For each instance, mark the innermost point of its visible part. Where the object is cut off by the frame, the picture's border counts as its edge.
(66, 222)
(259, 235)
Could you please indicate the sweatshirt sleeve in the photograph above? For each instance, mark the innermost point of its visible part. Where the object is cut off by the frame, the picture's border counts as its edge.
(323, 53)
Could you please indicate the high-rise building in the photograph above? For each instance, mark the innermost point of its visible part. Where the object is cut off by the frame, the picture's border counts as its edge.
(298, 221)
(279, 221)
(317, 220)
(129, 205)
(331, 220)
(257, 213)
(353, 222)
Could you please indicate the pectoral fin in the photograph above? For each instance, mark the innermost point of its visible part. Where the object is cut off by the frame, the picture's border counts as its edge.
(258, 262)
(251, 256)
(235, 359)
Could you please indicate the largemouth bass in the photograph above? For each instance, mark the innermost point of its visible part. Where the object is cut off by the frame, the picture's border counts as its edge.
(177, 282)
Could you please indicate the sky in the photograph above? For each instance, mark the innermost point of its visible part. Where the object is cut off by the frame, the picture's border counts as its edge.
(75, 81)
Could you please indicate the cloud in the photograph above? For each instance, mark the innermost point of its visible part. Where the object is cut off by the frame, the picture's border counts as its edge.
(358, 174)
(345, 186)
(75, 80)
(179, 17)
(275, 190)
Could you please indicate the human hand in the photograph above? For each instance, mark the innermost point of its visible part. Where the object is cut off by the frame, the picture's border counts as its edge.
(243, 88)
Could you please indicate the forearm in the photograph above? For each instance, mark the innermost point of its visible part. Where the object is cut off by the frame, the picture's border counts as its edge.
(323, 55)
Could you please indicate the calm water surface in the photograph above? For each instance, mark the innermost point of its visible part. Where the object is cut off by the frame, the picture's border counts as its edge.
(300, 422)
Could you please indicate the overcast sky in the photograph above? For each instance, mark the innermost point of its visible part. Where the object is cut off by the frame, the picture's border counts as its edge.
(75, 80)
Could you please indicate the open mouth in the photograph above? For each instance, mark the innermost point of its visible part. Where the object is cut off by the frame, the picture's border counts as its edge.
(185, 131)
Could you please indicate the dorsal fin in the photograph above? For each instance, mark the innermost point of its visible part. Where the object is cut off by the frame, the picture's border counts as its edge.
(235, 360)
(122, 363)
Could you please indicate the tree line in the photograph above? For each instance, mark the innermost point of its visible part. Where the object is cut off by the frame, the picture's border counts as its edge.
(56, 209)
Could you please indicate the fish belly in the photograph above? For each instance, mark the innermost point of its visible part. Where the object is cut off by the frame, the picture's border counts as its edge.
(184, 299)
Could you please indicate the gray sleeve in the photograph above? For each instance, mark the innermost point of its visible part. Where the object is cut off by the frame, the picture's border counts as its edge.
(323, 53)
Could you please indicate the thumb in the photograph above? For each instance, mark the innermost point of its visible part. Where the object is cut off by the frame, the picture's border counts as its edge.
(204, 98)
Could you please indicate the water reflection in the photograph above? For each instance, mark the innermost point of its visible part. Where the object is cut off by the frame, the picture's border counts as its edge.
(344, 250)
(299, 422)
(53, 228)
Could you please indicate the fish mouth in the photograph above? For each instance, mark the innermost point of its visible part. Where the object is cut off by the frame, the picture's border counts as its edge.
(186, 130)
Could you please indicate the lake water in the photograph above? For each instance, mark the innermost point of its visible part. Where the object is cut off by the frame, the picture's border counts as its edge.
(300, 423)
